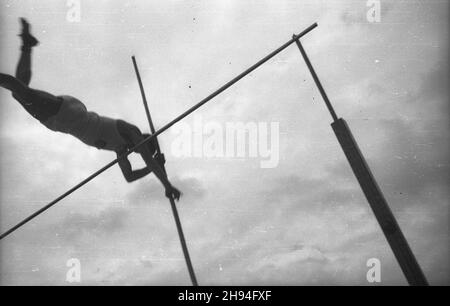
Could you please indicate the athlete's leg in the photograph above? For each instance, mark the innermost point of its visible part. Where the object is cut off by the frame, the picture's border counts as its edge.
(23, 70)
(38, 103)
(13, 84)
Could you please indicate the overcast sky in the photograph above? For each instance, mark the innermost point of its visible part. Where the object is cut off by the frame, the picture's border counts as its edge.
(303, 222)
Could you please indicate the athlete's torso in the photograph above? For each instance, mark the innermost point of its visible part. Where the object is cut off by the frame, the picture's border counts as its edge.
(73, 118)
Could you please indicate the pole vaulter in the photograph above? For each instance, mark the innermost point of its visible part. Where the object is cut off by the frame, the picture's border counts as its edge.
(160, 157)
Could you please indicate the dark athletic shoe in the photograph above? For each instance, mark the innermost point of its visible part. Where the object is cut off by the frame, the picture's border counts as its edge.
(28, 40)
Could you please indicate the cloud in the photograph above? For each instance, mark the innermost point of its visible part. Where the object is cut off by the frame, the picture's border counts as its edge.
(106, 222)
(283, 261)
(434, 88)
(146, 191)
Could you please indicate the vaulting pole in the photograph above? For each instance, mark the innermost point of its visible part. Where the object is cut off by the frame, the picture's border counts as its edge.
(372, 191)
(172, 201)
(161, 130)
(144, 99)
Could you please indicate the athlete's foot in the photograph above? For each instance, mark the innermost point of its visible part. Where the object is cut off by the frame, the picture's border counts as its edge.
(28, 40)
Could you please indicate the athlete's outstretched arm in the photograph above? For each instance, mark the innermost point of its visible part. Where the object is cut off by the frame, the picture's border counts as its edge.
(127, 171)
(135, 137)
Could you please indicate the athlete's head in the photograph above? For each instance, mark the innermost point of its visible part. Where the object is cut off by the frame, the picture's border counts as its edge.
(150, 144)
